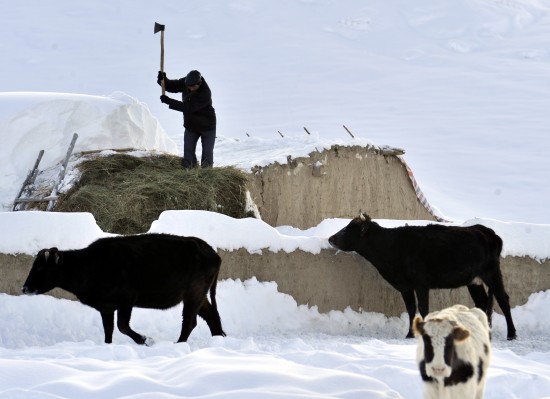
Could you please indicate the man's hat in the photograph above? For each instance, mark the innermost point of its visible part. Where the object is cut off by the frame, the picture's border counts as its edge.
(193, 78)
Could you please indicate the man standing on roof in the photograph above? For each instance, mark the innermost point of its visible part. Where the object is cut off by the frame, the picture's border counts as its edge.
(199, 117)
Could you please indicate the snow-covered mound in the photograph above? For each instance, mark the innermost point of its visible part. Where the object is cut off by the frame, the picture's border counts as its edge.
(30, 122)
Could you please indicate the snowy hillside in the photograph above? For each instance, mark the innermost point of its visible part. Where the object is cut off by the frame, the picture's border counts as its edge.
(462, 86)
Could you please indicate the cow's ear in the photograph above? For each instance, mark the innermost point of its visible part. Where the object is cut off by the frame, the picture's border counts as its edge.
(365, 225)
(363, 217)
(57, 256)
(45, 253)
(460, 334)
(418, 326)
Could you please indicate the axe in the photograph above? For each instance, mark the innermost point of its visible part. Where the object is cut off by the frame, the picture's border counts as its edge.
(160, 28)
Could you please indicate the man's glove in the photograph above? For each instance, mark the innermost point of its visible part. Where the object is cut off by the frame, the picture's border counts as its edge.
(161, 76)
(165, 99)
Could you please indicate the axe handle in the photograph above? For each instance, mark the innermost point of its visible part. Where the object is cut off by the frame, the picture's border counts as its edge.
(162, 60)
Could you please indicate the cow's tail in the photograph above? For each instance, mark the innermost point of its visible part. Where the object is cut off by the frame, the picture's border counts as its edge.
(213, 287)
(217, 328)
(496, 245)
(490, 305)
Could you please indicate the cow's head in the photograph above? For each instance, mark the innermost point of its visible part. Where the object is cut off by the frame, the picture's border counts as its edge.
(350, 237)
(437, 340)
(45, 272)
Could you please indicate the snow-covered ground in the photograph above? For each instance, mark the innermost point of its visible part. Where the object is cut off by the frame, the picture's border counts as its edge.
(52, 348)
(461, 86)
(275, 348)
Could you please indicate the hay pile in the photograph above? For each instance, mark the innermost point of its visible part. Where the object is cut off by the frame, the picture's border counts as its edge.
(126, 193)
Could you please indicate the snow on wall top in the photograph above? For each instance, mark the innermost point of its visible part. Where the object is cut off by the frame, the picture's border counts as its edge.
(28, 232)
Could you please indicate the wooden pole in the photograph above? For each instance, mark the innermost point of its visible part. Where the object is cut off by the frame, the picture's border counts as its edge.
(62, 173)
(162, 60)
(29, 180)
(347, 130)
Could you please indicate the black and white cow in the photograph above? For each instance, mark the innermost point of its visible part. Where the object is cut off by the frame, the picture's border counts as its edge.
(116, 274)
(453, 352)
(415, 259)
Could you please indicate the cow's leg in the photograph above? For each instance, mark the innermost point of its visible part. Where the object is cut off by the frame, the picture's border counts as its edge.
(482, 300)
(123, 324)
(496, 284)
(410, 304)
(191, 306)
(479, 296)
(212, 318)
(423, 298)
(108, 320)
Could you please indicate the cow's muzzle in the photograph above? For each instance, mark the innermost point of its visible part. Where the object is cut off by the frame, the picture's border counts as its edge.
(333, 241)
(27, 291)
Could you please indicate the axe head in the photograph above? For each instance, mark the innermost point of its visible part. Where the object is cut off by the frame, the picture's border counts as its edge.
(159, 27)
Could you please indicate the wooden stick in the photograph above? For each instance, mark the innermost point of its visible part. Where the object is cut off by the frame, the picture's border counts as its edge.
(348, 131)
(28, 200)
(62, 173)
(162, 60)
(29, 180)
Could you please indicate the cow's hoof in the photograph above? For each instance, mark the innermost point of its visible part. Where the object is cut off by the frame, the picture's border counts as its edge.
(149, 341)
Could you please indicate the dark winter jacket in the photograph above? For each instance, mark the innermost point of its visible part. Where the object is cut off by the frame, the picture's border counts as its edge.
(198, 113)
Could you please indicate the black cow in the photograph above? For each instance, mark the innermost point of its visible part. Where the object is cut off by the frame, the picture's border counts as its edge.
(415, 259)
(155, 271)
